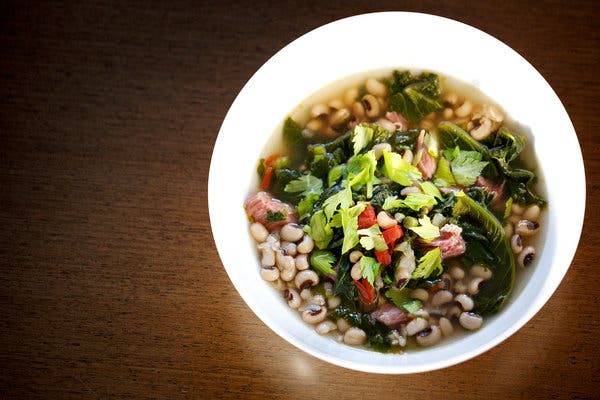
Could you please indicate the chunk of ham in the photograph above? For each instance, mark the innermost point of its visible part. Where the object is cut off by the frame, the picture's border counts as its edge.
(427, 164)
(496, 189)
(397, 119)
(390, 315)
(450, 241)
(258, 205)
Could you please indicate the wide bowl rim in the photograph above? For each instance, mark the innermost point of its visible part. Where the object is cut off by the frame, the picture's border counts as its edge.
(357, 362)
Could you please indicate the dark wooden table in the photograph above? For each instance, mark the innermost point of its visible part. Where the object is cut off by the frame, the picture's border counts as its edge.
(110, 282)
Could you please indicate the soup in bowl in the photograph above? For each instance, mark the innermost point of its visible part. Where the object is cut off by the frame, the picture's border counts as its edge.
(394, 208)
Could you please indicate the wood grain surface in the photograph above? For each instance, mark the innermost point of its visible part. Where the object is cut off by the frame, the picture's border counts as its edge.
(110, 282)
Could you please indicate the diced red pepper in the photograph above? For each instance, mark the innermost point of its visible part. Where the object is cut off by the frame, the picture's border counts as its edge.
(365, 290)
(270, 160)
(391, 235)
(384, 257)
(367, 218)
(266, 179)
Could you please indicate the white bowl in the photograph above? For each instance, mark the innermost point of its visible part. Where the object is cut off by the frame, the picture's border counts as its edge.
(400, 40)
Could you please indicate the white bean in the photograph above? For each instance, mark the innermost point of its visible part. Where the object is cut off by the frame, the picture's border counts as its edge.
(457, 272)
(385, 221)
(284, 261)
(429, 337)
(441, 297)
(343, 325)
(333, 302)
(306, 245)
(480, 271)
(318, 110)
(301, 261)
(291, 232)
(289, 248)
(420, 294)
(268, 258)
(355, 256)
(314, 314)
(325, 327)
(269, 274)
(375, 87)
(356, 272)
(446, 326)
(465, 301)
(259, 232)
(416, 326)
(470, 321)
(473, 287)
(355, 336)
(379, 148)
(464, 110)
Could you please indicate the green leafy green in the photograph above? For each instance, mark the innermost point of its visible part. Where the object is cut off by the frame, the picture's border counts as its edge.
(322, 261)
(451, 135)
(292, 133)
(430, 189)
(361, 171)
(319, 230)
(443, 176)
(343, 199)
(493, 295)
(274, 216)
(343, 286)
(507, 208)
(414, 201)
(369, 268)
(305, 185)
(335, 174)
(371, 238)
(467, 166)
(401, 299)
(429, 265)
(361, 137)
(426, 229)
(399, 170)
(306, 205)
(350, 225)
(414, 97)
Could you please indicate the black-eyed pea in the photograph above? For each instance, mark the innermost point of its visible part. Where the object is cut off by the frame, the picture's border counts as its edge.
(333, 302)
(527, 256)
(306, 279)
(465, 302)
(301, 262)
(269, 274)
(292, 297)
(416, 325)
(470, 321)
(314, 314)
(429, 336)
(325, 327)
(446, 326)
(480, 271)
(306, 245)
(259, 232)
(291, 232)
(355, 336)
(375, 87)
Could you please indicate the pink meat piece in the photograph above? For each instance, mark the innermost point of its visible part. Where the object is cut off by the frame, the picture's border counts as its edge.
(427, 164)
(450, 241)
(497, 189)
(390, 315)
(397, 119)
(258, 205)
